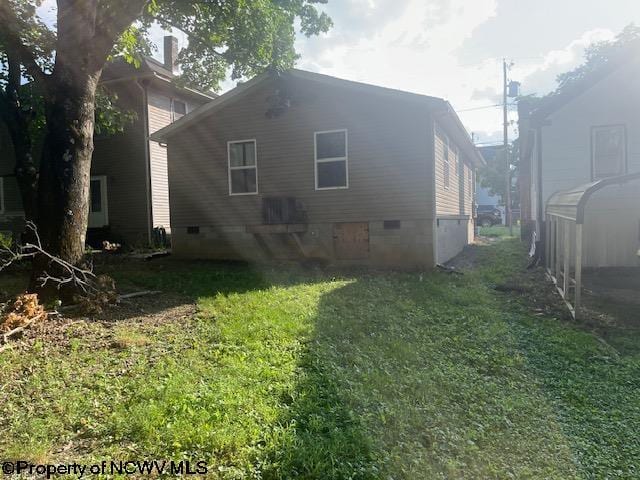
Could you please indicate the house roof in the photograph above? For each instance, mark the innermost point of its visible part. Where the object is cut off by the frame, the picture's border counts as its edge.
(555, 101)
(442, 107)
(119, 70)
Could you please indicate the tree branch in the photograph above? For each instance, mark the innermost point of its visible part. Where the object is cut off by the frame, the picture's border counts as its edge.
(80, 278)
(112, 20)
(10, 28)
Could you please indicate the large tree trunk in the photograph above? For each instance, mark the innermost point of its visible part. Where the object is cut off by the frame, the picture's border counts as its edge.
(65, 169)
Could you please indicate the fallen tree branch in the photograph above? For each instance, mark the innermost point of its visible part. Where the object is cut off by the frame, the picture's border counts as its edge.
(81, 278)
(18, 330)
(138, 294)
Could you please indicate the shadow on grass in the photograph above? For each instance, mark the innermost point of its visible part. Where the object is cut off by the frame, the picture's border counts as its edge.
(323, 436)
(592, 387)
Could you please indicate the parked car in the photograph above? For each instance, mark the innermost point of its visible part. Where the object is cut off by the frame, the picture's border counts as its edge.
(489, 215)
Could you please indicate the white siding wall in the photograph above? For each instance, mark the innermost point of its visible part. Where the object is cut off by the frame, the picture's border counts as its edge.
(159, 117)
(566, 143)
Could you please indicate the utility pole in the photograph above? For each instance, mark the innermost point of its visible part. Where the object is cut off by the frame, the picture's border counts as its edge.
(507, 199)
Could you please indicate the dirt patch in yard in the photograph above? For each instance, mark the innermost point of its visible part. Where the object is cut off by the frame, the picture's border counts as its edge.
(149, 311)
(611, 304)
(469, 258)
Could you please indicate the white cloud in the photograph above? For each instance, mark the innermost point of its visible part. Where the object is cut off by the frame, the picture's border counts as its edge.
(414, 49)
(540, 77)
(415, 46)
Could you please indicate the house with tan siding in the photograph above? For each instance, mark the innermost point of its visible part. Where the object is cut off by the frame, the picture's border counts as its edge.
(298, 165)
(129, 186)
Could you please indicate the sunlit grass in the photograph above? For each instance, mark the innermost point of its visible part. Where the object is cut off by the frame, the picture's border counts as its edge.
(291, 374)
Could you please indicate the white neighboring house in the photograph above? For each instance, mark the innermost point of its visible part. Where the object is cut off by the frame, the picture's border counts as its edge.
(576, 139)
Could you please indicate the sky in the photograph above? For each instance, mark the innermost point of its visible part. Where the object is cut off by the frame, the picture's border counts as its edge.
(454, 48)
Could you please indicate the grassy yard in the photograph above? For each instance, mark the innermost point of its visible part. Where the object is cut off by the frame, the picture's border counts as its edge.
(290, 374)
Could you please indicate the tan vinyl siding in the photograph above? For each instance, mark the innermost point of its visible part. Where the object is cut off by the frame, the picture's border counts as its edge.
(122, 159)
(159, 107)
(468, 188)
(454, 197)
(388, 159)
(160, 115)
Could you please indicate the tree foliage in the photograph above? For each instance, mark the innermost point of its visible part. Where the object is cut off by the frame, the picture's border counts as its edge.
(61, 63)
(493, 175)
(599, 55)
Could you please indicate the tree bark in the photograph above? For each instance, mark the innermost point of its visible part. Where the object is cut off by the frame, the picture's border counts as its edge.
(17, 118)
(63, 195)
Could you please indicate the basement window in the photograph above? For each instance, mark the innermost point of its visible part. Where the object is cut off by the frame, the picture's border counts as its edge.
(392, 224)
(243, 167)
(331, 162)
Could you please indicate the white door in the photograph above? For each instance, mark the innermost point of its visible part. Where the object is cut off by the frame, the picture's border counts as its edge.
(98, 215)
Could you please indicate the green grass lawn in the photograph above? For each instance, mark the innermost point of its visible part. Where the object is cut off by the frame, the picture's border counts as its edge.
(289, 374)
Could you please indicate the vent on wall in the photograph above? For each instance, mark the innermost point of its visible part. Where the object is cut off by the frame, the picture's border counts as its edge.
(193, 230)
(392, 224)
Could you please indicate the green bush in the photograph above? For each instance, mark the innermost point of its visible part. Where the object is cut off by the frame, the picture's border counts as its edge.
(6, 240)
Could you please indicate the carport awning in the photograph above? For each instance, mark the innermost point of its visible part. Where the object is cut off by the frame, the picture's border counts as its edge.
(570, 204)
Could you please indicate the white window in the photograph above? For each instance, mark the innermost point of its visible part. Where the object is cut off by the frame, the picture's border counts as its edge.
(446, 164)
(470, 182)
(609, 151)
(243, 167)
(178, 109)
(331, 160)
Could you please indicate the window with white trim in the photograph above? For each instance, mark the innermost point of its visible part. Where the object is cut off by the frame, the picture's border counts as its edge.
(243, 167)
(178, 109)
(445, 163)
(470, 182)
(331, 160)
(609, 151)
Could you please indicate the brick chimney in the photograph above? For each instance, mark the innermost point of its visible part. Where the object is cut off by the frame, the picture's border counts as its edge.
(170, 53)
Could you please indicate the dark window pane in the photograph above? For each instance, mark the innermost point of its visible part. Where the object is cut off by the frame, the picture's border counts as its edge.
(179, 109)
(331, 145)
(243, 181)
(242, 154)
(609, 151)
(95, 191)
(332, 174)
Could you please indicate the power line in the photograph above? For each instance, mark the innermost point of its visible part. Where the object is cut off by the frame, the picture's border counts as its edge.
(483, 107)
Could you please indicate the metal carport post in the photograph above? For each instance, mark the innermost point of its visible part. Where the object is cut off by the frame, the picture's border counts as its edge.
(566, 211)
